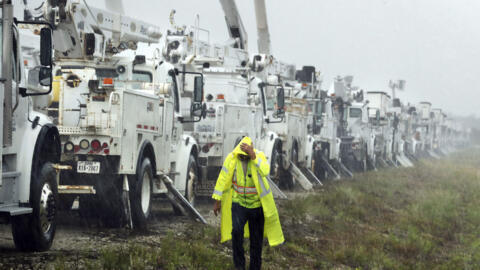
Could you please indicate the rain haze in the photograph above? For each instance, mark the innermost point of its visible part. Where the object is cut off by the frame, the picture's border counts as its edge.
(132, 140)
(432, 44)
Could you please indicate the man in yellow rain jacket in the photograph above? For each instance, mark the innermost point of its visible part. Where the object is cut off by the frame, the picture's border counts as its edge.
(243, 195)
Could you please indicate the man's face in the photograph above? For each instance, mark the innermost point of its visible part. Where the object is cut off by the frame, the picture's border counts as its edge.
(243, 157)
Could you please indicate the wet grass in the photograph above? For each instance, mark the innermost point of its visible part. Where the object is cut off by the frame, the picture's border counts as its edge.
(425, 217)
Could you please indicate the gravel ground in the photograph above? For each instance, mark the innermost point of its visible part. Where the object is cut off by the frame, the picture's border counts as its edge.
(76, 238)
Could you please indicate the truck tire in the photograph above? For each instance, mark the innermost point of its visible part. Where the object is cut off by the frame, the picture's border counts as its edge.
(35, 231)
(191, 181)
(141, 194)
(319, 169)
(288, 181)
(190, 184)
(276, 164)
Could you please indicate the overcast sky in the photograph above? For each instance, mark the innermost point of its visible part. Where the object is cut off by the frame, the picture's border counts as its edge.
(433, 44)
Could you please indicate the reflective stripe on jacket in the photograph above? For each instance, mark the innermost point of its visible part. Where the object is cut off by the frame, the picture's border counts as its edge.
(244, 190)
(224, 192)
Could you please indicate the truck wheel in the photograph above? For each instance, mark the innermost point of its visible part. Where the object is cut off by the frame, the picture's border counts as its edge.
(192, 179)
(141, 195)
(190, 186)
(276, 165)
(35, 232)
(319, 170)
(288, 178)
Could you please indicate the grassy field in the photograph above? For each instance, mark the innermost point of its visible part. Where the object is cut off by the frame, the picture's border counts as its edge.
(425, 217)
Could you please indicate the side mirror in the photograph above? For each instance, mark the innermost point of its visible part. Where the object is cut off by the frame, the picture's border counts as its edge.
(139, 60)
(44, 76)
(198, 109)
(46, 47)
(198, 89)
(280, 102)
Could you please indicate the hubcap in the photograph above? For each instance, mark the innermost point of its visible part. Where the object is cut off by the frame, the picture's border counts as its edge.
(47, 208)
(191, 183)
(145, 193)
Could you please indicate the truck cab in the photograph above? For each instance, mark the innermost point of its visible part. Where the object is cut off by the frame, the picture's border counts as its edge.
(31, 143)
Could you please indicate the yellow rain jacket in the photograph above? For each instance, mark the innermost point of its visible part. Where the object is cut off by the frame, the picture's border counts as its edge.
(223, 191)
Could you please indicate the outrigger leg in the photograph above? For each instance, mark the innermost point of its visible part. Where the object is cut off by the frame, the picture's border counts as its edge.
(344, 170)
(329, 168)
(180, 202)
(277, 192)
(298, 175)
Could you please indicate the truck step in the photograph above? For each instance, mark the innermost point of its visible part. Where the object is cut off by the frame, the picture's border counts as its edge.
(13, 174)
(15, 210)
(180, 202)
(300, 177)
(9, 175)
(70, 189)
(277, 192)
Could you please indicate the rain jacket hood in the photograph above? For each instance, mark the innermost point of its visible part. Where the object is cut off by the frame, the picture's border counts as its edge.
(238, 151)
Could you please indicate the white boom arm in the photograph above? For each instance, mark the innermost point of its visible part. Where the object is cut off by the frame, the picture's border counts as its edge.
(234, 23)
(264, 45)
(84, 32)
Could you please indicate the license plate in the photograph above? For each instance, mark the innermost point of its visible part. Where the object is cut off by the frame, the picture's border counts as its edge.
(88, 167)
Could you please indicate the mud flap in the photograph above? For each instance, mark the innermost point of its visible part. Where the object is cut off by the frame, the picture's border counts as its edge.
(300, 177)
(277, 192)
(329, 168)
(179, 201)
(126, 202)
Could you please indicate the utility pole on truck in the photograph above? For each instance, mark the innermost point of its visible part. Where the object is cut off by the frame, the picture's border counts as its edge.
(30, 142)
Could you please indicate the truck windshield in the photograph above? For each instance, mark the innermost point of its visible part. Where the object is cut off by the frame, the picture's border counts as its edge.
(270, 98)
(355, 113)
(318, 108)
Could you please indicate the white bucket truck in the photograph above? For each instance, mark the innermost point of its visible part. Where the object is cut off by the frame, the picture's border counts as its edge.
(120, 120)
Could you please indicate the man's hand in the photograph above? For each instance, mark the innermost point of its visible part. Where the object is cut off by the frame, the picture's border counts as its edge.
(249, 150)
(216, 207)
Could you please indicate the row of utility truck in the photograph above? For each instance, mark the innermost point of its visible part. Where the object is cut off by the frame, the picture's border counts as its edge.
(93, 124)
